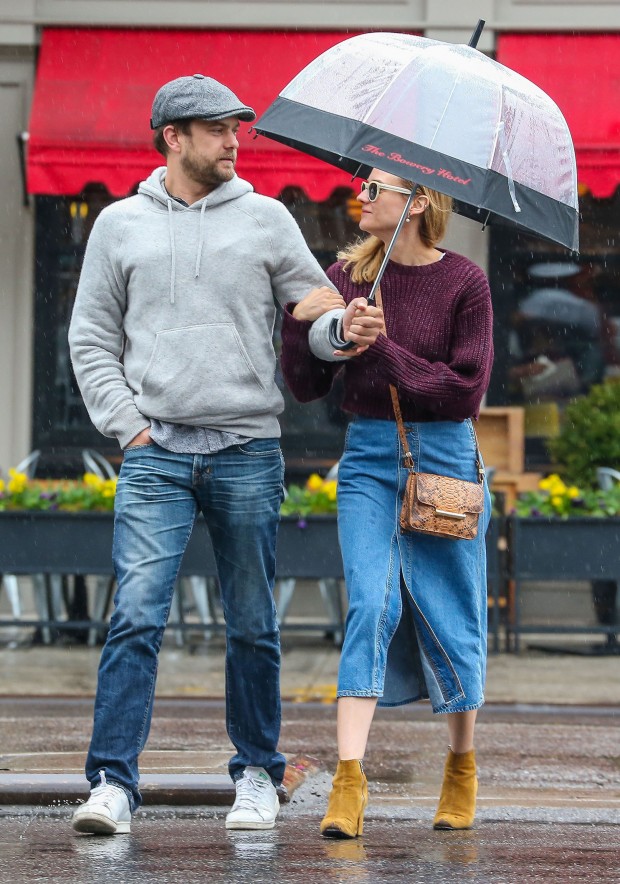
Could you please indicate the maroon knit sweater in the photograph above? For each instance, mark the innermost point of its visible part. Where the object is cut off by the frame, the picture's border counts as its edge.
(438, 352)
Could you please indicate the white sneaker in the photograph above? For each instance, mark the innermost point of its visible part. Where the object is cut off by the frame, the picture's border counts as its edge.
(105, 813)
(257, 804)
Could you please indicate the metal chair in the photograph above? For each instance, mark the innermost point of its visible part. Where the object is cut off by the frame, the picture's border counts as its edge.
(605, 592)
(96, 463)
(606, 478)
(9, 581)
(11, 587)
(29, 464)
(204, 591)
(330, 593)
(332, 473)
(329, 589)
(47, 589)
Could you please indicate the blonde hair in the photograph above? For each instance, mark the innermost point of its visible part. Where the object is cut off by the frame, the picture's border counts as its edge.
(364, 256)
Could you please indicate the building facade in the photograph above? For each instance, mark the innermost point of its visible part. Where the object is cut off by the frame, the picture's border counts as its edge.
(569, 48)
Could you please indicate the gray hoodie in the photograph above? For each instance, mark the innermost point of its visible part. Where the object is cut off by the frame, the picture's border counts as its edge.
(174, 312)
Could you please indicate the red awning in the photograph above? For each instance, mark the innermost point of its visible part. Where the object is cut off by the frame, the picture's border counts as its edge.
(94, 90)
(581, 73)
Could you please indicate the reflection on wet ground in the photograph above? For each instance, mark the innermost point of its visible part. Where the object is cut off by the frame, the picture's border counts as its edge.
(172, 850)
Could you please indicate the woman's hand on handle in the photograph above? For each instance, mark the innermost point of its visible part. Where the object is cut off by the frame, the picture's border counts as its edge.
(361, 323)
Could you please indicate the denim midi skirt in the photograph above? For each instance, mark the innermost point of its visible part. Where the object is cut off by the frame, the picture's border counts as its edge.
(416, 626)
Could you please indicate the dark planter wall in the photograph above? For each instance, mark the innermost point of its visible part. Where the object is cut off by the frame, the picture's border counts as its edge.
(559, 549)
(81, 543)
(575, 549)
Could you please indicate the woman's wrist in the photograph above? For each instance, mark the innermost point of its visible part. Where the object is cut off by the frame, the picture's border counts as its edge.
(289, 311)
(298, 313)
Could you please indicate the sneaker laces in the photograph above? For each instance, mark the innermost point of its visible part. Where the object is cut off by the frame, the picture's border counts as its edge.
(250, 790)
(105, 792)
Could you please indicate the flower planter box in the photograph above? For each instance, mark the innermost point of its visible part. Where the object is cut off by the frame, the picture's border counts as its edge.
(496, 577)
(80, 543)
(554, 549)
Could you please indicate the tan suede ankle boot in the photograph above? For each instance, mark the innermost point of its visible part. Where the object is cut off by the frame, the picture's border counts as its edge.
(347, 802)
(457, 803)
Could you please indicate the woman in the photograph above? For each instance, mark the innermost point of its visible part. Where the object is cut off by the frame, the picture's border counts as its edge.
(416, 626)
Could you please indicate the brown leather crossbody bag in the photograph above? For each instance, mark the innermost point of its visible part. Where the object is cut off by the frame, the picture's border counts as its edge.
(433, 504)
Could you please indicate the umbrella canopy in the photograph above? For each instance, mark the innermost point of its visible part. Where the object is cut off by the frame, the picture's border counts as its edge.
(561, 307)
(439, 114)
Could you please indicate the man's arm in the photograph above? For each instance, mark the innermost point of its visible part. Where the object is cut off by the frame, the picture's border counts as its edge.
(358, 323)
(96, 336)
(294, 269)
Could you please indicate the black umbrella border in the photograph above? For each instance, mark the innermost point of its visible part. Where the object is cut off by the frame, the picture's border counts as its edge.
(356, 147)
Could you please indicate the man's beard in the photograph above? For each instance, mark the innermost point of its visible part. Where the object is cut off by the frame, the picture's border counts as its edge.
(208, 172)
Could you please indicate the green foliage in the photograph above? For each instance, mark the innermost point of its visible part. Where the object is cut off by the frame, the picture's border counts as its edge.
(18, 492)
(556, 499)
(590, 435)
(318, 496)
(88, 494)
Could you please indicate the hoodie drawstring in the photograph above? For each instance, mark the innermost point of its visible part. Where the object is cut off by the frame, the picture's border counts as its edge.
(173, 254)
(155, 188)
(200, 238)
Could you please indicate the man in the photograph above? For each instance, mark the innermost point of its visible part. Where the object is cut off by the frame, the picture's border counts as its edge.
(171, 341)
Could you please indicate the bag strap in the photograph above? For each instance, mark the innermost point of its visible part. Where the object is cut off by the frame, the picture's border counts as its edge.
(407, 456)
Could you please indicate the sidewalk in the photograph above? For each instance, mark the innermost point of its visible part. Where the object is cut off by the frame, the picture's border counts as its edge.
(309, 672)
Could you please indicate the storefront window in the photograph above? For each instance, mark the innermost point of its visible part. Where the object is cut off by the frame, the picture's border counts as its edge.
(557, 320)
(312, 434)
(61, 426)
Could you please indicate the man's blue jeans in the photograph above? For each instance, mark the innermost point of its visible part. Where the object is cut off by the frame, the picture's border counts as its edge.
(159, 493)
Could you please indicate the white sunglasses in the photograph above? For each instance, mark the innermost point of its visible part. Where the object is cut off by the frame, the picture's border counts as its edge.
(374, 188)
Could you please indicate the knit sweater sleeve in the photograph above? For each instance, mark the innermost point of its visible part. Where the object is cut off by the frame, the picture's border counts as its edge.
(456, 386)
(306, 376)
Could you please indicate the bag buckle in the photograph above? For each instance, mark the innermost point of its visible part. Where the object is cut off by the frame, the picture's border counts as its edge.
(448, 515)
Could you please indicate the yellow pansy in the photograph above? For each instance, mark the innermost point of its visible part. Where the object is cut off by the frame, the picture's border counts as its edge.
(548, 482)
(557, 500)
(314, 483)
(330, 489)
(92, 480)
(573, 492)
(108, 488)
(553, 484)
(18, 482)
(1, 485)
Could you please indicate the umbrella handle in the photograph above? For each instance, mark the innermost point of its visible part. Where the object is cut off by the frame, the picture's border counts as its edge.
(334, 338)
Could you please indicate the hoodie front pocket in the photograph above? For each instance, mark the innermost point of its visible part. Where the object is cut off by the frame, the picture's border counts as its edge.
(200, 372)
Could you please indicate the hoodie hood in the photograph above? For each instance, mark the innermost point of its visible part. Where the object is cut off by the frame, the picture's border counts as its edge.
(154, 188)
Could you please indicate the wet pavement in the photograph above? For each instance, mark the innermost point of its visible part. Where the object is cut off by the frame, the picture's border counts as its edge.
(548, 809)
(565, 760)
(170, 850)
(548, 749)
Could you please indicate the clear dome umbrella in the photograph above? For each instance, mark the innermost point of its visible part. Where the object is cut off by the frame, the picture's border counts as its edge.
(442, 115)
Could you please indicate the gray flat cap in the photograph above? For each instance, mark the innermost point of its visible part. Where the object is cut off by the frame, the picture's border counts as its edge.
(197, 97)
